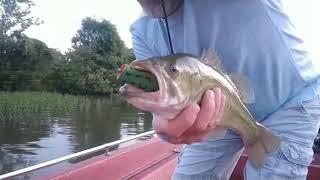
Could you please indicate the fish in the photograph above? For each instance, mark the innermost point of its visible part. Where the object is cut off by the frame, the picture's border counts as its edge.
(183, 79)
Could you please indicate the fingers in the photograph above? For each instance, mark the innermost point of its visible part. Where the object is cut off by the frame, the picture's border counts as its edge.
(221, 109)
(212, 107)
(194, 123)
(176, 127)
(208, 109)
(220, 102)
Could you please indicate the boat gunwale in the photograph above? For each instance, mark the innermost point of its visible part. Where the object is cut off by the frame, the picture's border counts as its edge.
(75, 155)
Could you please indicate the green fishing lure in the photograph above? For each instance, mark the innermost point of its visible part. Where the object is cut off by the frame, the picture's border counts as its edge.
(139, 78)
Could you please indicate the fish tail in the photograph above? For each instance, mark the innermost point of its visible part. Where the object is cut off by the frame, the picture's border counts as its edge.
(267, 143)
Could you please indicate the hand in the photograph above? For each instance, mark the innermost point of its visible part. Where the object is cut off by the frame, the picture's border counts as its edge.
(193, 123)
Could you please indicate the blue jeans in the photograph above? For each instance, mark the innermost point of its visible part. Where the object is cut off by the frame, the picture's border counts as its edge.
(297, 123)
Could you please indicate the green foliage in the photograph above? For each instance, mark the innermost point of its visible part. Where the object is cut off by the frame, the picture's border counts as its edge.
(61, 77)
(23, 63)
(27, 64)
(101, 37)
(15, 16)
(13, 105)
(90, 67)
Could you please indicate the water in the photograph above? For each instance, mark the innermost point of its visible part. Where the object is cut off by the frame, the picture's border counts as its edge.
(44, 136)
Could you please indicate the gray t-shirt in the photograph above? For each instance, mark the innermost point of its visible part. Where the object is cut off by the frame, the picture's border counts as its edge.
(254, 38)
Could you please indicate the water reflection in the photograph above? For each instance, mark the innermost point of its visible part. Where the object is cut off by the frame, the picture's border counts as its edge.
(40, 137)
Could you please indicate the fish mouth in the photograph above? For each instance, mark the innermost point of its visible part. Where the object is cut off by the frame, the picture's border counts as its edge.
(137, 96)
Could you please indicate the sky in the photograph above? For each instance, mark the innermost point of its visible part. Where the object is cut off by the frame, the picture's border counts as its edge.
(62, 18)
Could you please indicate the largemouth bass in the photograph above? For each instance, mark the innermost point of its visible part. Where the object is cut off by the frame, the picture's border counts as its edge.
(184, 78)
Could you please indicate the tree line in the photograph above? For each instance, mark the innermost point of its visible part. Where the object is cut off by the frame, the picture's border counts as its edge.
(27, 64)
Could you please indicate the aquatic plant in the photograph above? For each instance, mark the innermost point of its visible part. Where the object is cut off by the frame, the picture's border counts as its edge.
(22, 103)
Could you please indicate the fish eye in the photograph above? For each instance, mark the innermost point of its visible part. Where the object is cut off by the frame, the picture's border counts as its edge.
(174, 69)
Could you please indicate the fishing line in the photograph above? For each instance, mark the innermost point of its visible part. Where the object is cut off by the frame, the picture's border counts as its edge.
(167, 26)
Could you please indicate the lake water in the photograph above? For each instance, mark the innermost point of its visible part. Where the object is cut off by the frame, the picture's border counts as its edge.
(44, 136)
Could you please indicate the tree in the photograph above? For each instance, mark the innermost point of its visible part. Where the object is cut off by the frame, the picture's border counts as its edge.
(15, 16)
(20, 56)
(90, 67)
(23, 63)
(62, 77)
(101, 37)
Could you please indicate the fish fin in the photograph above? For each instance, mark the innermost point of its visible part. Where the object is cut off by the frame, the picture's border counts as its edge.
(217, 132)
(256, 154)
(267, 143)
(239, 83)
(210, 58)
(243, 88)
(270, 141)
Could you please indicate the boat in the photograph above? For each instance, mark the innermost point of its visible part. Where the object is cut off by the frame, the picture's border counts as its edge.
(149, 158)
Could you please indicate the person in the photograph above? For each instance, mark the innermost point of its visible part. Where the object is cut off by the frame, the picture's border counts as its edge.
(257, 39)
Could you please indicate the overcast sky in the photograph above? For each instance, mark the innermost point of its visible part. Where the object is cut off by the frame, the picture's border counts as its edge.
(62, 18)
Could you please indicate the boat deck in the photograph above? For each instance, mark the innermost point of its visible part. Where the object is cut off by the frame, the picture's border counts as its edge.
(150, 159)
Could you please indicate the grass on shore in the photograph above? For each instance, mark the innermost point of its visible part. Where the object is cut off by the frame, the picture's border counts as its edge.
(20, 103)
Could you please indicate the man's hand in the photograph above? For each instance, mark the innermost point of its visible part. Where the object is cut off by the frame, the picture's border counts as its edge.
(193, 123)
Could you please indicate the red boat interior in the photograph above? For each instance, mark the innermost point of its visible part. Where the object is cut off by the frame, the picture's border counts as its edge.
(150, 159)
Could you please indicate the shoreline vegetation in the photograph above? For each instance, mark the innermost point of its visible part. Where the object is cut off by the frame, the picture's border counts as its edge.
(21, 104)
(36, 78)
